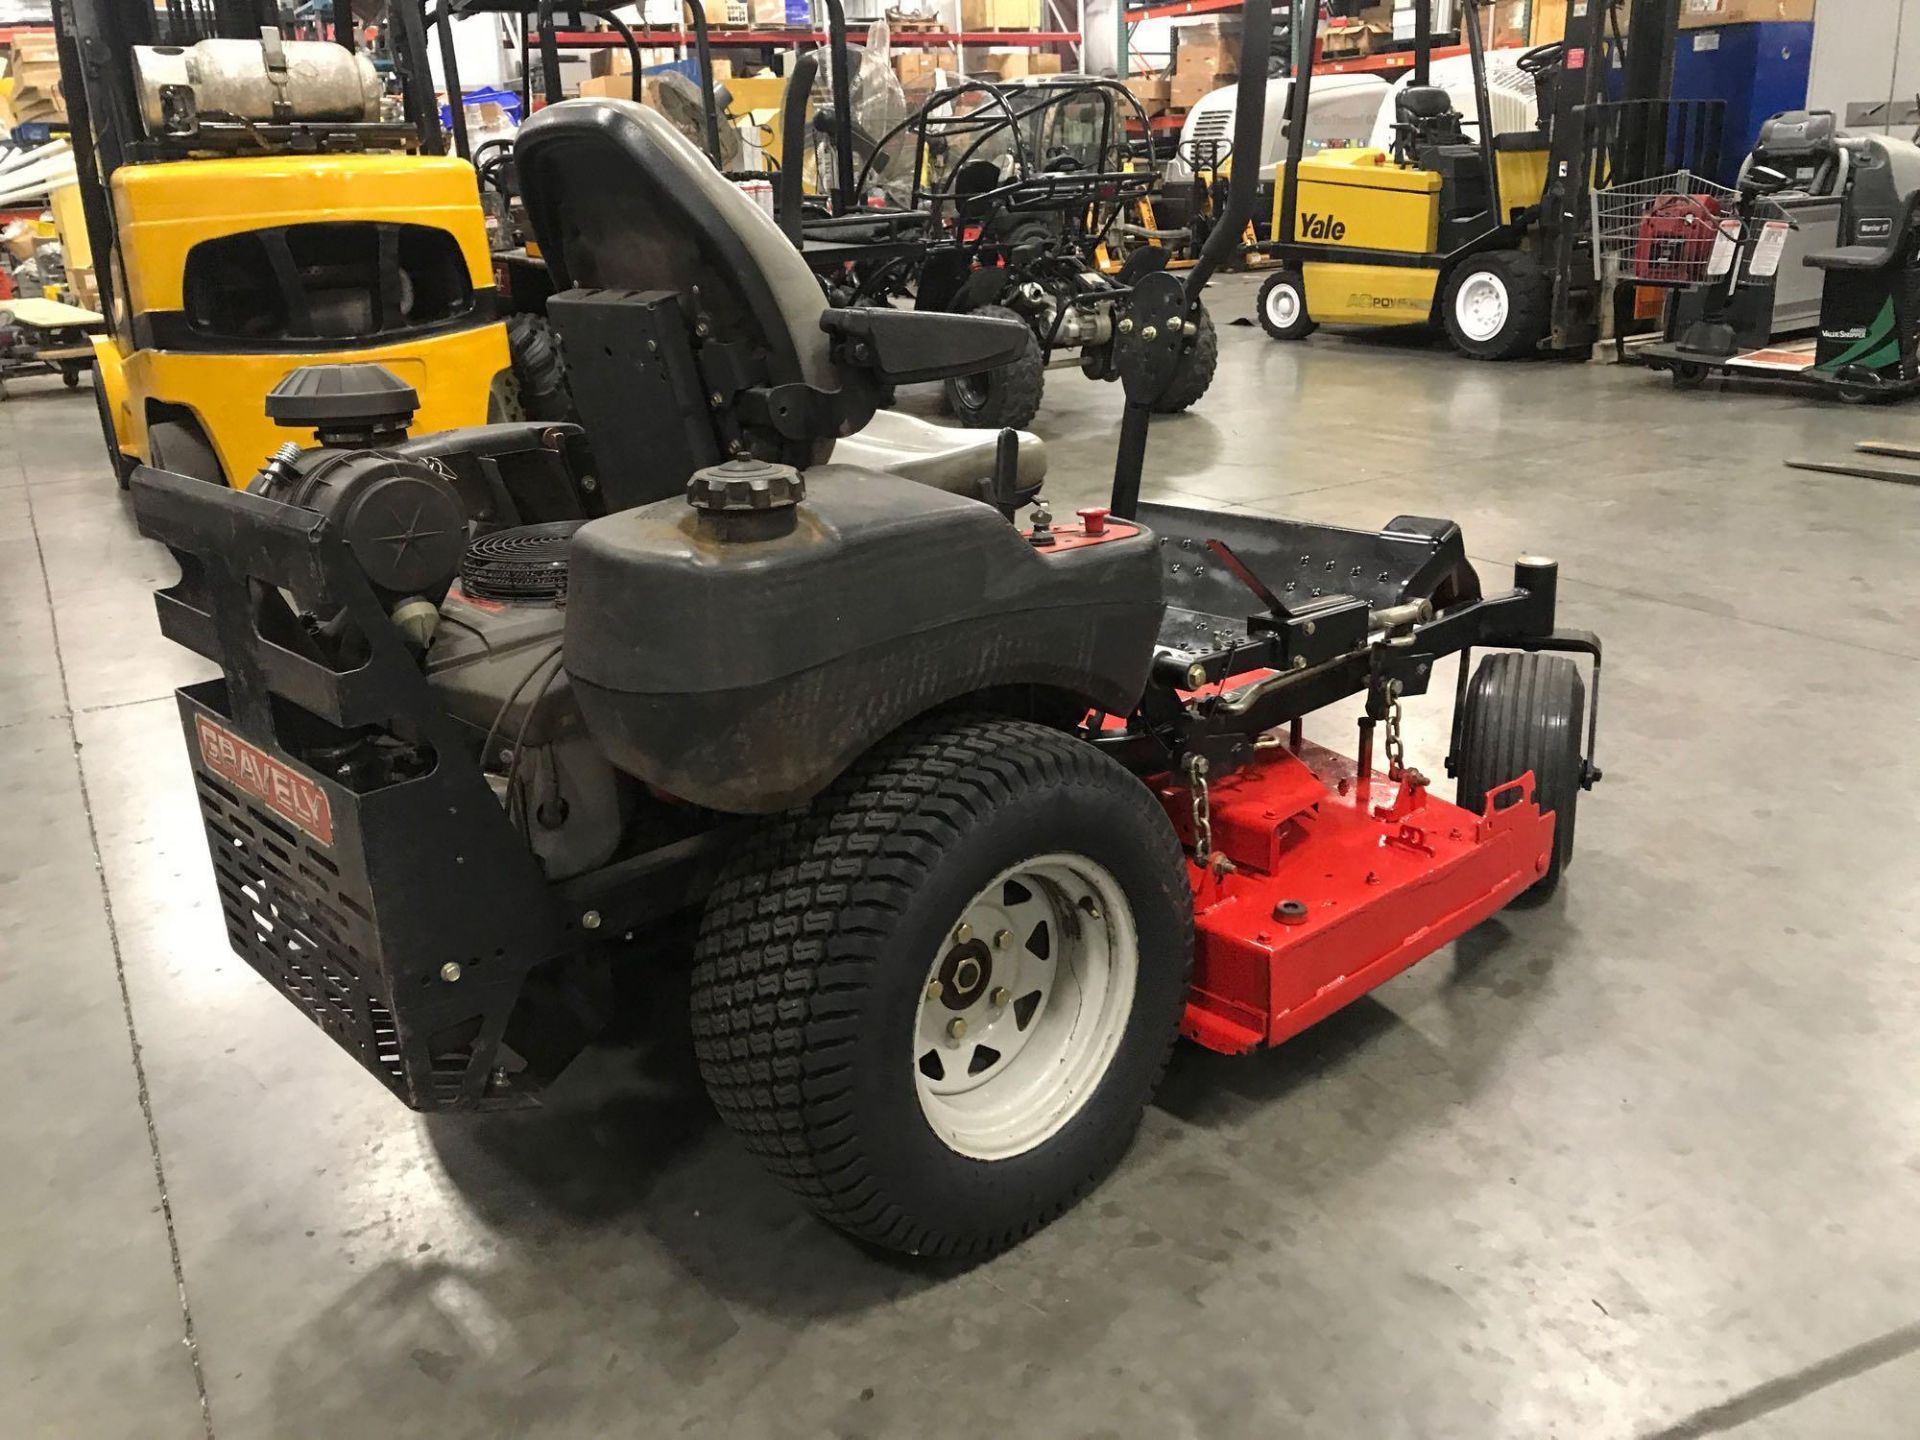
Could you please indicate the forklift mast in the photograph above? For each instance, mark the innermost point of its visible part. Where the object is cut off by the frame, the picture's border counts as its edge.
(1626, 135)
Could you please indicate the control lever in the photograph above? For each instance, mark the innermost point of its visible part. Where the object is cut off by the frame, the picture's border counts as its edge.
(1006, 474)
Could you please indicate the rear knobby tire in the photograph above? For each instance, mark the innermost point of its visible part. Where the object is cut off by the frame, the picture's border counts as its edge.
(1195, 374)
(811, 982)
(1526, 712)
(1498, 306)
(1007, 395)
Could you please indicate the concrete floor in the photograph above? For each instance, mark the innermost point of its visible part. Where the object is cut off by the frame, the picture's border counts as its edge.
(1642, 1162)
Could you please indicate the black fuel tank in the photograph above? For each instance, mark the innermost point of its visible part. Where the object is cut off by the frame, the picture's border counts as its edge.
(745, 674)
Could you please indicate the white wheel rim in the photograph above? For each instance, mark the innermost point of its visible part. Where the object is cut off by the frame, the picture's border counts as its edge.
(1283, 305)
(1481, 306)
(1023, 1009)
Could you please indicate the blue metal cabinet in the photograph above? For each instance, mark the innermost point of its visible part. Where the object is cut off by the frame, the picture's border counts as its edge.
(1759, 70)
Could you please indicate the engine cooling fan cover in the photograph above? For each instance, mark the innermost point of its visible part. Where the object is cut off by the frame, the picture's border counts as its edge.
(523, 566)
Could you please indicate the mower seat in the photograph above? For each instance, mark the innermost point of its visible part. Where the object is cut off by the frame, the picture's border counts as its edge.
(628, 212)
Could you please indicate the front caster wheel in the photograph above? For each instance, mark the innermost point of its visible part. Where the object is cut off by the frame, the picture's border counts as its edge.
(935, 1001)
(1689, 375)
(1526, 712)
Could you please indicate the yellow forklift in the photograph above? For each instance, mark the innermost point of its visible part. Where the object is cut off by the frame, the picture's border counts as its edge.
(259, 201)
(1482, 233)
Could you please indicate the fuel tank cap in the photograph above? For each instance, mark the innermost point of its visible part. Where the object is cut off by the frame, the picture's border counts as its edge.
(745, 486)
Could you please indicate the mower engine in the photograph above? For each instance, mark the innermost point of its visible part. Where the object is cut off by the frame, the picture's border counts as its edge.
(480, 605)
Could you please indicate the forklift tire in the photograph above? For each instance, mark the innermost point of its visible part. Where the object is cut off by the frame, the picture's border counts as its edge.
(123, 463)
(1195, 374)
(1497, 306)
(181, 447)
(1283, 307)
(539, 369)
(1526, 712)
(1008, 395)
(971, 880)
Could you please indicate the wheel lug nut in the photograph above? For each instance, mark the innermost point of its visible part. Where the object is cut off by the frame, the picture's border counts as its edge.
(957, 1027)
(1000, 997)
(935, 990)
(962, 933)
(1002, 939)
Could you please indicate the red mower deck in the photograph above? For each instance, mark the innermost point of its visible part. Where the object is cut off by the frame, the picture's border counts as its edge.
(1334, 884)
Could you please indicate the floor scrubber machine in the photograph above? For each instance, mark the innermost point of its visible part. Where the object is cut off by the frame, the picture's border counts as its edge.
(978, 810)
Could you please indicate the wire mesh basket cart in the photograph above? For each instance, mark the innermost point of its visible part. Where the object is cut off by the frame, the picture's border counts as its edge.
(1678, 229)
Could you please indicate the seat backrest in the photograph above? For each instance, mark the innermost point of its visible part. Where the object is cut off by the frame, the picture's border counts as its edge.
(1415, 103)
(620, 200)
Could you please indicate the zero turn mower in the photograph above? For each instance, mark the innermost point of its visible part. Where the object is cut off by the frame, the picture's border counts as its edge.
(978, 815)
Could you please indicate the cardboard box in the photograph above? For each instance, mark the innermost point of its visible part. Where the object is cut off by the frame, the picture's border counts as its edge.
(1504, 23)
(620, 87)
(999, 14)
(1190, 86)
(1015, 64)
(1697, 14)
(768, 12)
(33, 64)
(1361, 37)
(1154, 92)
(917, 67)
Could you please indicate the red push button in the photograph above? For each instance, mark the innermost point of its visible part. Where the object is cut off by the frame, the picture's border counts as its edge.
(1094, 520)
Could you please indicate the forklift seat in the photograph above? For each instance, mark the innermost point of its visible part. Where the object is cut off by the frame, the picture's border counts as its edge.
(621, 202)
(1424, 115)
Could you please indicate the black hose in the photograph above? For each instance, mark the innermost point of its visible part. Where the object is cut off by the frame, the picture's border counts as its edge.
(1249, 121)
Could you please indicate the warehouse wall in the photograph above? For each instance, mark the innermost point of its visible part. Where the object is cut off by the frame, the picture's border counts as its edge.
(1865, 50)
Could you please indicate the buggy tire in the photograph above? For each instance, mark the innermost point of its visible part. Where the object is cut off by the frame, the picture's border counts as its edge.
(539, 369)
(182, 447)
(1196, 370)
(1497, 306)
(123, 463)
(812, 972)
(1526, 712)
(1005, 396)
(1282, 307)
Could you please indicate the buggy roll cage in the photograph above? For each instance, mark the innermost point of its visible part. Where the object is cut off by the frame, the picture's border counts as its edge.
(1020, 112)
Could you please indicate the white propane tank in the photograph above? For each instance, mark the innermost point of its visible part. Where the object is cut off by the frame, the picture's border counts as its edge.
(268, 80)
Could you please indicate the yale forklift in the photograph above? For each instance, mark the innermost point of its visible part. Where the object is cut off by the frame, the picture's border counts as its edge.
(258, 202)
(1483, 233)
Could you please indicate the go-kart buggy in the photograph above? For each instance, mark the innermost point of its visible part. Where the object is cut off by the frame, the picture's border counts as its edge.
(993, 199)
(976, 816)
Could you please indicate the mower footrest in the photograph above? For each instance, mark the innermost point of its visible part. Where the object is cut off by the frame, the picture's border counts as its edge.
(1337, 883)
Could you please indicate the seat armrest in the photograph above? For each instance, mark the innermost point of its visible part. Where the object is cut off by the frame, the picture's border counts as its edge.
(905, 347)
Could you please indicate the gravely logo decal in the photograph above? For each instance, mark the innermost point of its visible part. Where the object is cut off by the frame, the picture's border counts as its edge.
(289, 795)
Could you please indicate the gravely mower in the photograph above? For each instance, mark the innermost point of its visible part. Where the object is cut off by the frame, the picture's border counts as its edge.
(977, 816)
